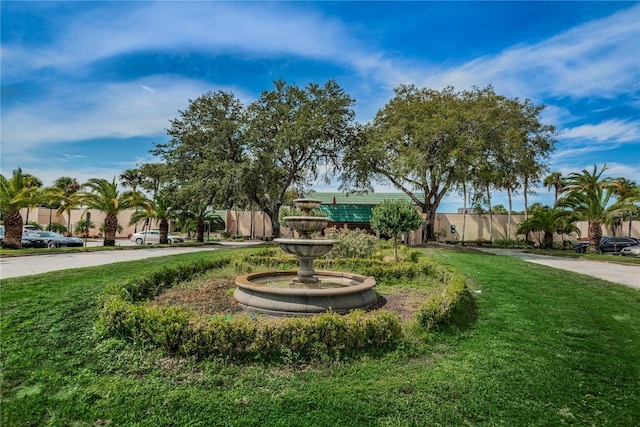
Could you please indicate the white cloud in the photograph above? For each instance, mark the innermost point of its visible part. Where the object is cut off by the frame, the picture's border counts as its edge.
(613, 131)
(264, 30)
(599, 58)
(88, 111)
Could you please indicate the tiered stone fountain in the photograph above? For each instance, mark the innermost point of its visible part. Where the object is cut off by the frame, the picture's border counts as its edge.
(304, 291)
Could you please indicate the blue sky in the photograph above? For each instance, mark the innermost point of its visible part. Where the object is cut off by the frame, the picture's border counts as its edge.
(89, 87)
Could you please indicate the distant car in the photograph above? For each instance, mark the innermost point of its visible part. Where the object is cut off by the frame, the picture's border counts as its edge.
(153, 236)
(28, 241)
(580, 247)
(615, 244)
(30, 228)
(32, 240)
(631, 251)
(56, 240)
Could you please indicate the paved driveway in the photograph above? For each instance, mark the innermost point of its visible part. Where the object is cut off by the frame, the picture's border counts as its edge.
(624, 274)
(36, 264)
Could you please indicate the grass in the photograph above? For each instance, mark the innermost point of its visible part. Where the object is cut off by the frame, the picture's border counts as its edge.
(549, 348)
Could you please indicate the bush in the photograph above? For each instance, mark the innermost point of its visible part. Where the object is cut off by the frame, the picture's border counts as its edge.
(125, 312)
(56, 227)
(512, 244)
(351, 243)
(455, 306)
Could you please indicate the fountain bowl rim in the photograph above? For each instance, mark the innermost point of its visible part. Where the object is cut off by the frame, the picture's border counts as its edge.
(244, 282)
(305, 242)
(306, 218)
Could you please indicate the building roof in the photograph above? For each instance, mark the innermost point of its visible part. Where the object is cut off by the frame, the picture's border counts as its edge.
(347, 213)
(357, 198)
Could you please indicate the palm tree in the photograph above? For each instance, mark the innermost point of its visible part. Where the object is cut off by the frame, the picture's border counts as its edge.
(556, 181)
(627, 205)
(19, 191)
(159, 210)
(69, 202)
(36, 184)
(131, 178)
(547, 221)
(588, 195)
(105, 197)
(199, 217)
(68, 197)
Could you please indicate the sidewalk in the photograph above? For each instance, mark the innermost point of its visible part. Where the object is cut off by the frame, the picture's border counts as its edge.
(624, 274)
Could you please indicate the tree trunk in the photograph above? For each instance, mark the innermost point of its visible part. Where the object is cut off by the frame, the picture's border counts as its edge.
(110, 228)
(464, 211)
(490, 215)
(12, 230)
(395, 246)
(509, 213)
(595, 234)
(200, 231)
(428, 227)
(275, 221)
(164, 231)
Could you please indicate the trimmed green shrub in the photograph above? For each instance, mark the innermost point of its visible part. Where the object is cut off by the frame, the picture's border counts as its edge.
(455, 306)
(125, 312)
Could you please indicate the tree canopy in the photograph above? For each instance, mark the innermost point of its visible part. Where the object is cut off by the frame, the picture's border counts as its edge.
(393, 217)
(426, 142)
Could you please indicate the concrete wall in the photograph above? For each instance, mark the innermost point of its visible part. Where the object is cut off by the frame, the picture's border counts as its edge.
(43, 215)
(258, 225)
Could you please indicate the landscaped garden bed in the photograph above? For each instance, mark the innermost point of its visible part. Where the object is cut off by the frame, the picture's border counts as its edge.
(188, 310)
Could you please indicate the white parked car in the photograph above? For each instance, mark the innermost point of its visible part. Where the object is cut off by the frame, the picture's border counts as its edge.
(631, 251)
(153, 236)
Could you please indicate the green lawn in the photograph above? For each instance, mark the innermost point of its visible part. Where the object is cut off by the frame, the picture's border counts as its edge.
(549, 348)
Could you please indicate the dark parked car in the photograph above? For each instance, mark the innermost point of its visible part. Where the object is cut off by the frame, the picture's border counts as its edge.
(580, 247)
(29, 240)
(56, 240)
(615, 244)
(32, 240)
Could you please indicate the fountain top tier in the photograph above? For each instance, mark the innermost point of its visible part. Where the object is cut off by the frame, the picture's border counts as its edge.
(305, 248)
(307, 205)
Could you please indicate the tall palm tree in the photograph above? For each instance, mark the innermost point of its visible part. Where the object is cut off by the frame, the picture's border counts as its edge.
(159, 210)
(16, 193)
(69, 202)
(35, 184)
(555, 181)
(627, 205)
(68, 197)
(131, 178)
(105, 197)
(588, 195)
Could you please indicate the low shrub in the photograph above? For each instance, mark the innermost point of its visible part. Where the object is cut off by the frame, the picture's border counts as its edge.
(455, 306)
(512, 244)
(313, 337)
(125, 312)
(351, 243)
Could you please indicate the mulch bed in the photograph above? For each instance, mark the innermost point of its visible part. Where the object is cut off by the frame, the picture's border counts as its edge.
(216, 296)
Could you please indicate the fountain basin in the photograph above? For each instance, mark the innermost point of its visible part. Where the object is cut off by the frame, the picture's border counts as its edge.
(339, 292)
(306, 247)
(306, 225)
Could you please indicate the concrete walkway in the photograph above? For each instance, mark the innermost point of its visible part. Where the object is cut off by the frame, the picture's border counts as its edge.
(624, 274)
(37, 264)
